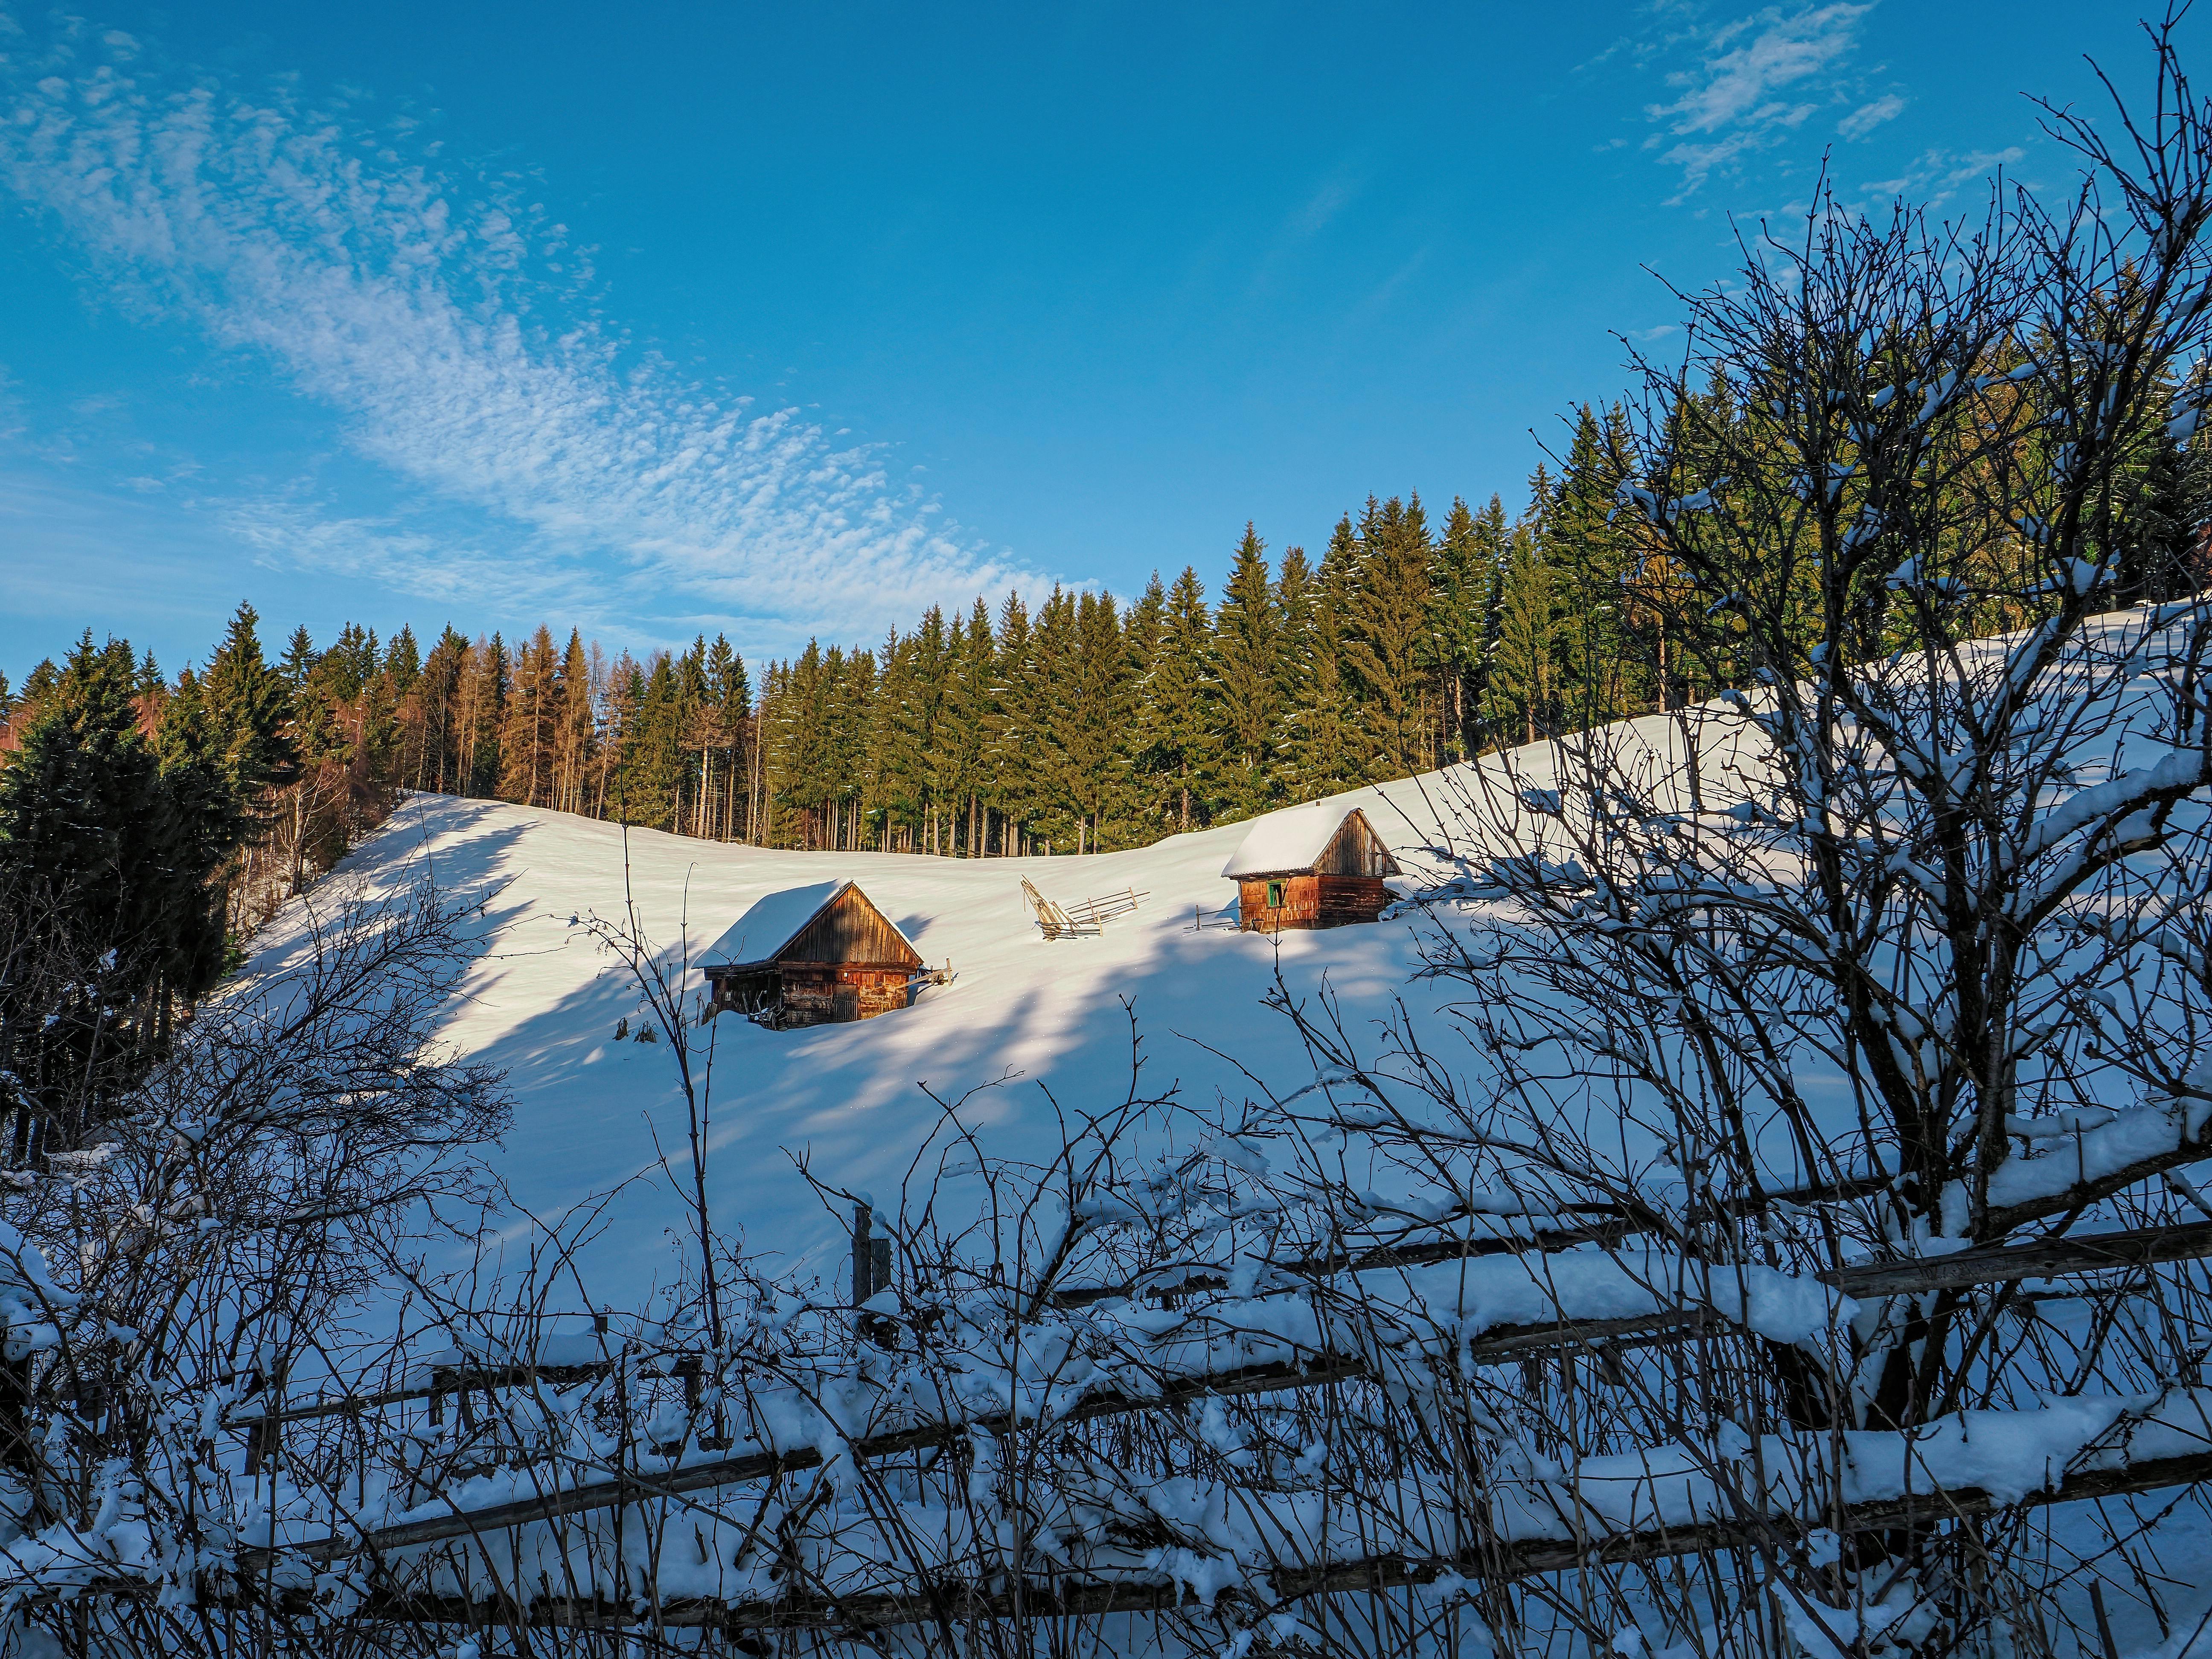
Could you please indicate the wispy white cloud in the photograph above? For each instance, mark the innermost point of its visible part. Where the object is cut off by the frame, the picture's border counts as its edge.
(1866, 117)
(1761, 78)
(455, 333)
(1333, 194)
(1936, 175)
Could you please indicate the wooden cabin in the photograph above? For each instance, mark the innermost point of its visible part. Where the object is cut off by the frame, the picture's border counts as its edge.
(1310, 866)
(812, 956)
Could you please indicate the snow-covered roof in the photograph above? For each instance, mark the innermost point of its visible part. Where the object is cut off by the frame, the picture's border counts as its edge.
(1289, 839)
(772, 923)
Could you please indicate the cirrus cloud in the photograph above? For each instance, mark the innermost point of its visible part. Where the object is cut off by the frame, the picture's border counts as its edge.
(453, 331)
(1762, 76)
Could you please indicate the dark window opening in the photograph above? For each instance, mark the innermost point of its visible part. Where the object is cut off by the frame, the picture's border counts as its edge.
(1275, 895)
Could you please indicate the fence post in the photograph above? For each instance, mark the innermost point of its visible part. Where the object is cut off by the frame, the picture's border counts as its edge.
(863, 1256)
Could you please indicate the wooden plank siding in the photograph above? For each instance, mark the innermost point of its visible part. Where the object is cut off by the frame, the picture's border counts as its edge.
(851, 929)
(1310, 901)
(1356, 850)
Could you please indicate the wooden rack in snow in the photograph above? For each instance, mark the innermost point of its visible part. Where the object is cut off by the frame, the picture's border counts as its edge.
(1087, 918)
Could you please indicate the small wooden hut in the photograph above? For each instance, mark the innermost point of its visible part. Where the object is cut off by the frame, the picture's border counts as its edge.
(1310, 866)
(811, 956)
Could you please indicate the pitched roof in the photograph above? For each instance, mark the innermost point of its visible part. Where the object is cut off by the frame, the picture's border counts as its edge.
(1291, 839)
(773, 922)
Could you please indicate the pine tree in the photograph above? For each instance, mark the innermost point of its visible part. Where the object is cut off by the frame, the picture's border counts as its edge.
(247, 710)
(1468, 557)
(1386, 643)
(1246, 672)
(1324, 742)
(1176, 741)
(1522, 700)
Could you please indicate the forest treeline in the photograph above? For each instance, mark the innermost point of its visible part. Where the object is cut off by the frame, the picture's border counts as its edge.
(150, 823)
(1071, 722)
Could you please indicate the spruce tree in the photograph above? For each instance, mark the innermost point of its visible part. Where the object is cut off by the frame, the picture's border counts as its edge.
(1523, 697)
(1011, 753)
(299, 659)
(969, 725)
(1246, 672)
(575, 720)
(729, 693)
(1468, 557)
(108, 913)
(929, 754)
(1142, 630)
(402, 661)
(522, 745)
(1606, 673)
(1038, 716)
(2162, 531)
(247, 710)
(1325, 748)
(1177, 747)
(1090, 713)
(1386, 642)
(1495, 536)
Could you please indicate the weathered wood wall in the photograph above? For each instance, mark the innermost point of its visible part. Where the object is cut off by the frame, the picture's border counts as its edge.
(1347, 899)
(1356, 850)
(1300, 905)
(821, 994)
(1311, 902)
(851, 929)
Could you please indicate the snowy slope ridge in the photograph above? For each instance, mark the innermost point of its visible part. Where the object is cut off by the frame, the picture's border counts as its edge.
(1031, 1034)
(1028, 1030)
(1035, 1026)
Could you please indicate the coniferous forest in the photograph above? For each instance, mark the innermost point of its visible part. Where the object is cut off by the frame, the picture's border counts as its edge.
(1071, 722)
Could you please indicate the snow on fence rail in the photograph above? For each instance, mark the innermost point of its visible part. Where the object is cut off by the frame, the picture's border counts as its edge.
(1645, 1506)
(1580, 1301)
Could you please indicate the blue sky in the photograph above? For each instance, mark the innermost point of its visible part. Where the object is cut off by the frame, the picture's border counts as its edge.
(667, 317)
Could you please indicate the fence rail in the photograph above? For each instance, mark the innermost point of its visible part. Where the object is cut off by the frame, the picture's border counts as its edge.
(2055, 1258)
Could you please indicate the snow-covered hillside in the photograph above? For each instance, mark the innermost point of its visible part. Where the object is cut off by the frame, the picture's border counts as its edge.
(1023, 1016)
